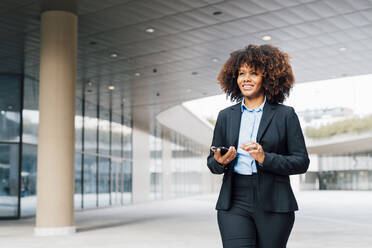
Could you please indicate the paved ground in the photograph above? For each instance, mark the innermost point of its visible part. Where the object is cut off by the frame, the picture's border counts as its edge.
(332, 219)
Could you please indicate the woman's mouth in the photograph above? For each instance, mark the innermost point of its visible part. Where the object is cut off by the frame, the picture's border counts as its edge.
(247, 86)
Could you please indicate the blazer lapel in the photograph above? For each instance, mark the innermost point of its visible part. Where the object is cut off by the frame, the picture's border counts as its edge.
(234, 127)
(267, 115)
(236, 116)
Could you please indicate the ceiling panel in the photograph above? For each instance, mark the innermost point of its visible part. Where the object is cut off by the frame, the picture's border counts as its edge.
(189, 39)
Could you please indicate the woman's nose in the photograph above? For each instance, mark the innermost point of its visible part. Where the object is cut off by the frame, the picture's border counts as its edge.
(246, 78)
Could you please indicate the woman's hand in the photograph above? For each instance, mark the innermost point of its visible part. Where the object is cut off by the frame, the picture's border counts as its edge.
(227, 158)
(255, 150)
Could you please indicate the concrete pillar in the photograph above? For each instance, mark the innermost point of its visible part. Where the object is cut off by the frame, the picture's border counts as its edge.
(141, 159)
(55, 168)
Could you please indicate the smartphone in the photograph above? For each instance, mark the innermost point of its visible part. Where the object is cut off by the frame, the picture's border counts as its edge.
(223, 149)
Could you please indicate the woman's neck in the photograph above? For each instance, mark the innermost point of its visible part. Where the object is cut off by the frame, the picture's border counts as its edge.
(253, 103)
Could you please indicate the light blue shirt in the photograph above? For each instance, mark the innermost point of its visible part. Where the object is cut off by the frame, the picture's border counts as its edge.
(249, 124)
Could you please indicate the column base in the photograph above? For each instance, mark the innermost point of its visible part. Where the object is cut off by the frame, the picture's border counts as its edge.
(54, 231)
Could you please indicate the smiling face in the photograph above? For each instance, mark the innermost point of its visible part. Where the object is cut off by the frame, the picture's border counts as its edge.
(250, 82)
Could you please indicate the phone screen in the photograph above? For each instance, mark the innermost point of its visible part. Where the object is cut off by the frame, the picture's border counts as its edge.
(223, 150)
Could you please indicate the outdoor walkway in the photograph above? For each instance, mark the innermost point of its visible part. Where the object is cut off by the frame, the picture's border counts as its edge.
(326, 219)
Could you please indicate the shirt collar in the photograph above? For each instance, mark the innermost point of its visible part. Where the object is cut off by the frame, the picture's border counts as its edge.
(258, 109)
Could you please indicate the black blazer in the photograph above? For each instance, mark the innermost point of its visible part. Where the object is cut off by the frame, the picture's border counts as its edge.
(281, 138)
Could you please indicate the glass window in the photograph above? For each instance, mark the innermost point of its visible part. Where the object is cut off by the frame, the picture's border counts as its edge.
(116, 124)
(78, 153)
(127, 182)
(104, 131)
(78, 181)
(104, 121)
(127, 138)
(30, 113)
(90, 181)
(28, 180)
(116, 135)
(78, 124)
(90, 125)
(10, 86)
(156, 162)
(104, 182)
(9, 157)
(115, 182)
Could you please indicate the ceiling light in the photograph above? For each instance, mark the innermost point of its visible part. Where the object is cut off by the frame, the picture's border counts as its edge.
(113, 55)
(137, 74)
(266, 37)
(89, 83)
(111, 87)
(150, 30)
(215, 60)
(123, 99)
(2, 112)
(342, 49)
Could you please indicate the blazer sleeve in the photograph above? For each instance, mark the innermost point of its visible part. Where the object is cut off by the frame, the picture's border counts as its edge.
(296, 161)
(213, 165)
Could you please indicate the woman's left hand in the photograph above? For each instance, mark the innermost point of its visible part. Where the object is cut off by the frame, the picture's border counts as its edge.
(255, 150)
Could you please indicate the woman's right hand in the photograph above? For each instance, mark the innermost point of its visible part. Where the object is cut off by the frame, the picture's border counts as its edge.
(227, 158)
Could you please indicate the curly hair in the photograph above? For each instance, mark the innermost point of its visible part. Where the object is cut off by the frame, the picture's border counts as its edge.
(277, 75)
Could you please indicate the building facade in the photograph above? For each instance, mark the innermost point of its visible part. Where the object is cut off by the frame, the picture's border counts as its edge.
(103, 152)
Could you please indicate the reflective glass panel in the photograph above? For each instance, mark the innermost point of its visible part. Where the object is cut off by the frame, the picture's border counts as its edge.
(9, 158)
(28, 180)
(10, 86)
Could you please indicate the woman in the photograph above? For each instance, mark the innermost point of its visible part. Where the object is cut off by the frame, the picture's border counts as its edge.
(256, 204)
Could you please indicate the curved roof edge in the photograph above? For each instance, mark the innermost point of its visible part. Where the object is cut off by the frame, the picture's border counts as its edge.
(181, 120)
(343, 143)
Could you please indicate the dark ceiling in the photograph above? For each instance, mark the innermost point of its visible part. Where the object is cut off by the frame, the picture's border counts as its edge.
(192, 39)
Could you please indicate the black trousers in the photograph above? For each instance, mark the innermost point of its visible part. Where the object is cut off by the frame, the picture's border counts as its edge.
(245, 224)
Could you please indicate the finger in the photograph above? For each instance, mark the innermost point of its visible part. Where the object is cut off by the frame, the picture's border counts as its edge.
(247, 147)
(253, 146)
(217, 153)
(232, 157)
(227, 154)
(227, 157)
(259, 148)
(254, 153)
(250, 143)
(244, 147)
(233, 151)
